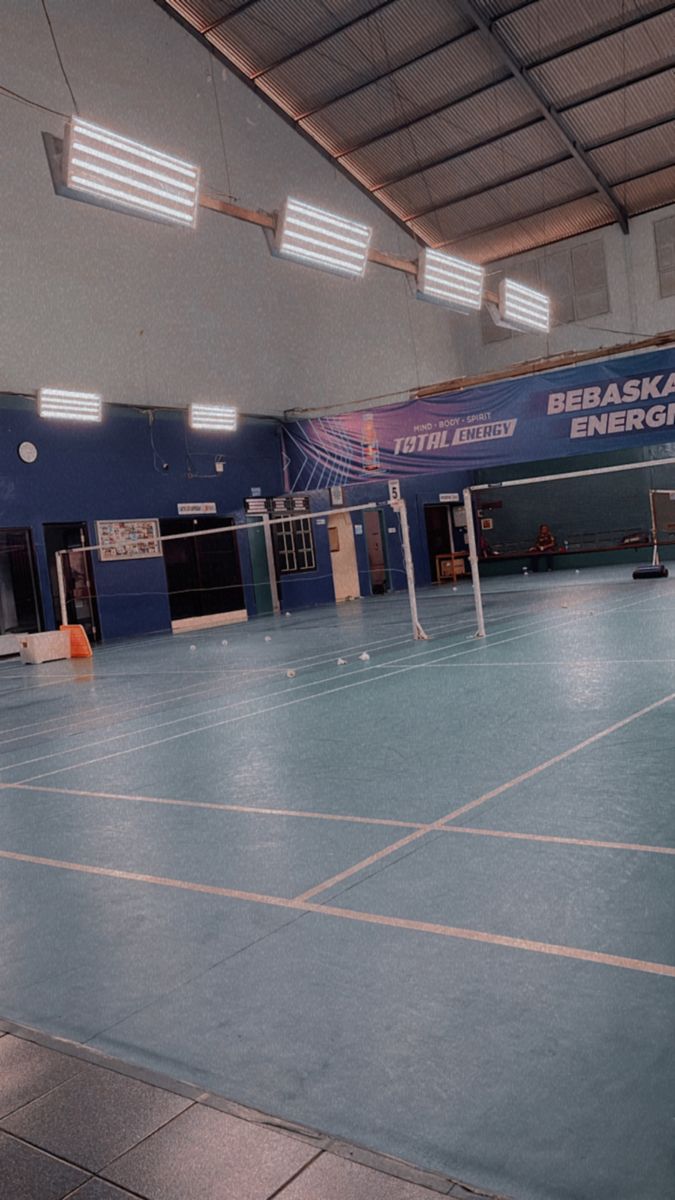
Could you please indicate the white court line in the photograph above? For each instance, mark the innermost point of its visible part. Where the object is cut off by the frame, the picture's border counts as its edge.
(224, 680)
(327, 910)
(376, 678)
(442, 822)
(560, 841)
(572, 662)
(423, 653)
(256, 810)
(103, 712)
(248, 700)
(253, 809)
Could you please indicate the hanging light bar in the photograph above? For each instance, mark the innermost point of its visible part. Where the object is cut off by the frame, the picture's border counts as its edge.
(69, 406)
(106, 168)
(322, 239)
(213, 416)
(450, 281)
(522, 308)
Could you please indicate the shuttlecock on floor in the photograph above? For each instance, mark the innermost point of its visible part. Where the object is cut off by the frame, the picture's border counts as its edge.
(268, 638)
(224, 642)
(454, 589)
(288, 614)
(290, 674)
(365, 657)
(576, 572)
(342, 662)
(193, 647)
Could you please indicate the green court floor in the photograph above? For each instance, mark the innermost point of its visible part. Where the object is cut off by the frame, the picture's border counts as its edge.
(422, 901)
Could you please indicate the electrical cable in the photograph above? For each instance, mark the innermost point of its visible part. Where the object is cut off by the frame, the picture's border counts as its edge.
(11, 95)
(58, 55)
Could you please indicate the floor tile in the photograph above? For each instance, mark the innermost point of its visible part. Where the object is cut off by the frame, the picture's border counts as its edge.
(94, 1117)
(331, 1178)
(28, 1071)
(28, 1174)
(213, 1156)
(447, 1053)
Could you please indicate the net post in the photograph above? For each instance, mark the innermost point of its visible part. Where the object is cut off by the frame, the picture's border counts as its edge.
(473, 560)
(60, 577)
(399, 506)
(271, 565)
(655, 546)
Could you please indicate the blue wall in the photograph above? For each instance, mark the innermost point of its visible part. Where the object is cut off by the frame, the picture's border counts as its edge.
(86, 473)
(108, 471)
(597, 505)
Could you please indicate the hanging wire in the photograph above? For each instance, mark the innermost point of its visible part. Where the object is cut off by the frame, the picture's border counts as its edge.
(58, 55)
(230, 194)
(407, 280)
(11, 95)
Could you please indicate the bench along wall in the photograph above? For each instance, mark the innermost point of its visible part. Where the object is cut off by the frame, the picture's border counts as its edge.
(598, 511)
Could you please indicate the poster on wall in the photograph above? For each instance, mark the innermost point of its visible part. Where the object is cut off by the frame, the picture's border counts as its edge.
(121, 540)
(614, 404)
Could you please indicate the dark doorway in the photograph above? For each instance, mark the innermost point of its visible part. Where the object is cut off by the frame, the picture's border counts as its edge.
(19, 597)
(444, 536)
(373, 526)
(78, 574)
(203, 573)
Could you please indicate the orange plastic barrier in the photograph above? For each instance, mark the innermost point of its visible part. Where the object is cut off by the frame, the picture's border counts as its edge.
(79, 642)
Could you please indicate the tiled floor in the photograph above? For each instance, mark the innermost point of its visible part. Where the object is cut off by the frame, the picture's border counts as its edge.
(75, 1124)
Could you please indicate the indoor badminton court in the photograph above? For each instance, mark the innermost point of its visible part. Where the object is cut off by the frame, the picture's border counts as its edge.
(337, 608)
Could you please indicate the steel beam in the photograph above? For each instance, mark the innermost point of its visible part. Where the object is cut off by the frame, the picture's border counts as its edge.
(495, 39)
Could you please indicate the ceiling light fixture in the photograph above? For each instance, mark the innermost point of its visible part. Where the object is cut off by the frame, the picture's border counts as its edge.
(213, 416)
(522, 308)
(322, 239)
(60, 405)
(450, 281)
(106, 168)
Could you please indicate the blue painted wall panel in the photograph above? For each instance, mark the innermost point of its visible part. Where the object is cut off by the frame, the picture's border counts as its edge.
(110, 471)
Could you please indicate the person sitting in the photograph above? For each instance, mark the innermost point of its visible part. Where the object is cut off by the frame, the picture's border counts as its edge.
(544, 548)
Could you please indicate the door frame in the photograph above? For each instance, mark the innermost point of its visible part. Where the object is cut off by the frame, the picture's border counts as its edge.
(94, 633)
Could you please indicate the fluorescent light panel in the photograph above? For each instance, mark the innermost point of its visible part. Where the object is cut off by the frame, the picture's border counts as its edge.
(450, 281)
(69, 406)
(523, 308)
(104, 166)
(322, 239)
(213, 416)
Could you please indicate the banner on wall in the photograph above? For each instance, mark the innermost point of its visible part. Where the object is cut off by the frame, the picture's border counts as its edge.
(610, 405)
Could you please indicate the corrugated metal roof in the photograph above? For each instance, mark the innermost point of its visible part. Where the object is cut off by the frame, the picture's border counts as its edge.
(651, 191)
(203, 13)
(551, 117)
(539, 229)
(638, 154)
(477, 169)
(497, 8)
(623, 56)
(549, 28)
(456, 127)
(460, 67)
(375, 46)
(521, 198)
(270, 30)
(624, 109)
